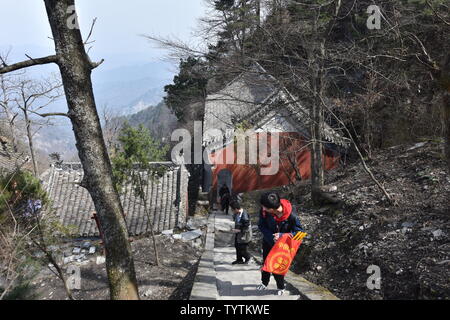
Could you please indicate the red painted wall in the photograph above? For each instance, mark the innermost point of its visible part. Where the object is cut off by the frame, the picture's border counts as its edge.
(248, 178)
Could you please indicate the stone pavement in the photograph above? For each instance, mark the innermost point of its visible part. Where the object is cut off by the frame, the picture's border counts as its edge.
(235, 282)
(218, 279)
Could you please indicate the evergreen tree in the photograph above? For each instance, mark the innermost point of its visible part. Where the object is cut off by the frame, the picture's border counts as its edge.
(188, 86)
(133, 163)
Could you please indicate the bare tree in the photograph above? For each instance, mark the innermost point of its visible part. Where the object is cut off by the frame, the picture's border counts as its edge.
(112, 124)
(7, 92)
(31, 97)
(24, 230)
(76, 67)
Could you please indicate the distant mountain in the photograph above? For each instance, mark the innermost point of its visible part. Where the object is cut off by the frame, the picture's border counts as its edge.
(151, 98)
(124, 89)
(158, 119)
(129, 89)
(57, 138)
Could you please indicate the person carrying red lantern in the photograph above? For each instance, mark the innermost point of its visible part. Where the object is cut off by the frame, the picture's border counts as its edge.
(277, 219)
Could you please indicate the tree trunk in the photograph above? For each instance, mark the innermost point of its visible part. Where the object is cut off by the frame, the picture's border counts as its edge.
(9, 115)
(317, 178)
(445, 83)
(258, 13)
(446, 123)
(76, 67)
(30, 142)
(317, 174)
(12, 130)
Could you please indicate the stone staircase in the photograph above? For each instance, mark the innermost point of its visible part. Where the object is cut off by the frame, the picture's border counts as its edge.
(218, 279)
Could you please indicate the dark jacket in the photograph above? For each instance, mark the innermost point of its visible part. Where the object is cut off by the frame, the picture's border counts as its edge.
(268, 226)
(244, 225)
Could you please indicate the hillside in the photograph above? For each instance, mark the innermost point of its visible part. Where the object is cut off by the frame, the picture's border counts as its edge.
(158, 119)
(408, 241)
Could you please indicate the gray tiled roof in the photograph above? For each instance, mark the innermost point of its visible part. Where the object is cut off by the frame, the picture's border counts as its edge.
(240, 98)
(72, 204)
(251, 97)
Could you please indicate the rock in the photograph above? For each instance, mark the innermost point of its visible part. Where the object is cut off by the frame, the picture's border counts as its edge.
(438, 234)
(86, 245)
(177, 236)
(101, 259)
(52, 248)
(191, 235)
(196, 223)
(417, 145)
(38, 254)
(147, 293)
(407, 224)
(167, 232)
(197, 243)
(92, 250)
(323, 209)
(76, 250)
(68, 259)
(406, 230)
(362, 246)
(189, 225)
(80, 257)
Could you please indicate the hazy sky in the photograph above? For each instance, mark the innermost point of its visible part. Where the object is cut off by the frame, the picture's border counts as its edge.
(24, 26)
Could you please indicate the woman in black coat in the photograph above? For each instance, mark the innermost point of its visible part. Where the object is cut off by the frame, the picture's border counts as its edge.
(243, 232)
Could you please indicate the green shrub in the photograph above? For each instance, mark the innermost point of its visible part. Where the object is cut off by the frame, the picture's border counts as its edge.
(19, 187)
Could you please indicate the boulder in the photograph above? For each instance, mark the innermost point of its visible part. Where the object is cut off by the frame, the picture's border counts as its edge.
(191, 235)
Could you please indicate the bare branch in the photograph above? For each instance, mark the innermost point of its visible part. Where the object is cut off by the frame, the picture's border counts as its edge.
(437, 14)
(90, 31)
(53, 114)
(96, 64)
(29, 63)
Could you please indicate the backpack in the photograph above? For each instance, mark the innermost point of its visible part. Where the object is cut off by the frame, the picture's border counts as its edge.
(247, 236)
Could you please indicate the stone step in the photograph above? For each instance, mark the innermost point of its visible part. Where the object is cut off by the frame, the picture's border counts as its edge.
(218, 279)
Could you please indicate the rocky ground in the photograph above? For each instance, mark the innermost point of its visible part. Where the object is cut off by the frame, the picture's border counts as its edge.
(172, 280)
(408, 241)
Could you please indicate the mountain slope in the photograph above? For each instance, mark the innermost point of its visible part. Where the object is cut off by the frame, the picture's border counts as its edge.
(158, 119)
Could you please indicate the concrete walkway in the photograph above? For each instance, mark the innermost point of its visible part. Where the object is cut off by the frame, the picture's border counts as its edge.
(218, 279)
(239, 282)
